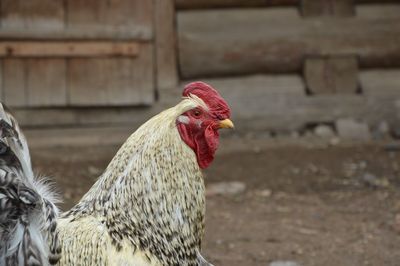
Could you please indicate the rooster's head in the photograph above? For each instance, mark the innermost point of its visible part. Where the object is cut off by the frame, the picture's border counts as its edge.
(198, 127)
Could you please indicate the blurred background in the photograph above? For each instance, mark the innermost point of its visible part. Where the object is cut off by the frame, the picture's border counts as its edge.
(311, 174)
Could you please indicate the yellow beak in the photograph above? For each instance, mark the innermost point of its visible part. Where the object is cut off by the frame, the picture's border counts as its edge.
(227, 123)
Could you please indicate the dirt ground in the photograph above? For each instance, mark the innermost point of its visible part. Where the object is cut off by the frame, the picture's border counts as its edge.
(311, 204)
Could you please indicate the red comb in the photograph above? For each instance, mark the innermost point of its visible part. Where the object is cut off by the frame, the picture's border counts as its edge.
(210, 96)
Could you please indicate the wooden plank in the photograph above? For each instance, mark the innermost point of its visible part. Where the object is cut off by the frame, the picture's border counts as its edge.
(112, 81)
(379, 11)
(380, 81)
(120, 14)
(14, 83)
(68, 49)
(338, 8)
(277, 40)
(40, 14)
(331, 75)
(92, 33)
(209, 4)
(86, 117)
(198, 4)
(78, 137)
(165, 45)
(46, 82)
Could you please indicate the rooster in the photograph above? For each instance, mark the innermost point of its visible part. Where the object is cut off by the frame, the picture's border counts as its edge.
(147, 208)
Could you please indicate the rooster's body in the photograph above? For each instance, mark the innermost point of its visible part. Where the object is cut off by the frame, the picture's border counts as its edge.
(147, 208)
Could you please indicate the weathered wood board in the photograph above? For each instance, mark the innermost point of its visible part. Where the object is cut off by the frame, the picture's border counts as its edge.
(381, 81)
(196, 4)
(121, 14)
(84, 117)
(208, 4)
(78, 34)
(76, 19)
(34, 82)
(32, 14)
(277, 40)
(78, 137)
(112, 81)
(165, 45)
(46, 82)
(14, 82)
(67, 49)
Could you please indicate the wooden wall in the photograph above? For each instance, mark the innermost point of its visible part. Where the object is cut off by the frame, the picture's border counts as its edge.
(60, 53)
(278, 40)
(282, 64)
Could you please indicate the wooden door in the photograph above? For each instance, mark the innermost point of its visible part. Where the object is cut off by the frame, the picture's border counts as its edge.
(76, 53)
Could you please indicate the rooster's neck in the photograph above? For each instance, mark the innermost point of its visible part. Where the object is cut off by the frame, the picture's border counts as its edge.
(152, 193)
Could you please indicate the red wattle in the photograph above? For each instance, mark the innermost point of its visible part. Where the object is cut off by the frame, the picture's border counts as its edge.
(204, 144)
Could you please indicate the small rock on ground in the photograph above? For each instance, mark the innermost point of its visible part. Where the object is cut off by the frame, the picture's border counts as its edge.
(373, 181)
(352, 130)
(324, 131)
(225, 188)
(384, 127)
(265, 193)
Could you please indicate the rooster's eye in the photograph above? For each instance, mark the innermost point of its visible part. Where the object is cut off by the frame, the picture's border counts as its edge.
(197, 113)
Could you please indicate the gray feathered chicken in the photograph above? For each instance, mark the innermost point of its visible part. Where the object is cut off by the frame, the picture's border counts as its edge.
(147, 208)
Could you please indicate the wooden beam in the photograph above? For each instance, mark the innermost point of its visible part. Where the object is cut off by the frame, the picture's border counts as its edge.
(68, 49)
(32, 14)
(78, 137)
(86, 117)
(91, 32)
(208, 4)
(165, 45)
(126, 14)
(380, 82)
(198, 4)
(278, 40)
